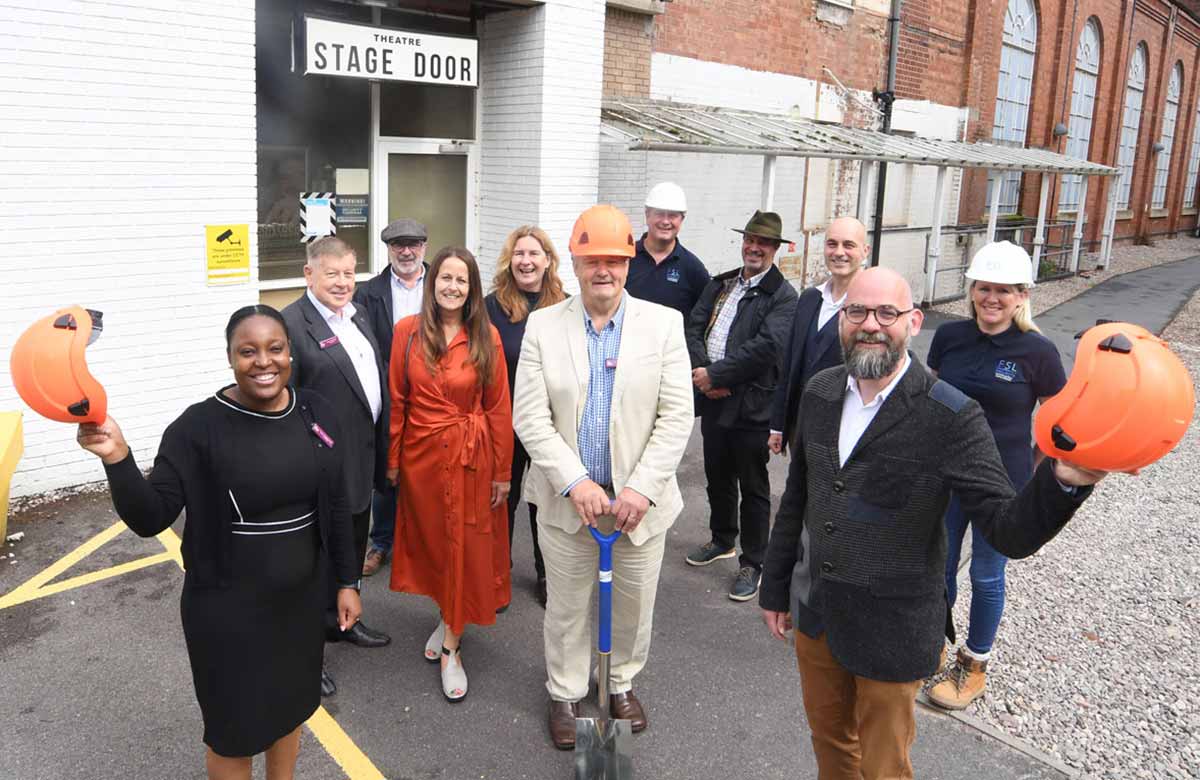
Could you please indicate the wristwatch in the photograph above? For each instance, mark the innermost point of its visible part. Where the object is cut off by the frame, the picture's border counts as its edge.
(357, 584)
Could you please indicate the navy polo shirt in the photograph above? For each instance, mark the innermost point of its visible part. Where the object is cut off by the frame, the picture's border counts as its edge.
(1006, 373)
(676, 282)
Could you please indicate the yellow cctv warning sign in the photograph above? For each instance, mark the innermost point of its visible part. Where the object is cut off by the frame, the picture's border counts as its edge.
(227, 251)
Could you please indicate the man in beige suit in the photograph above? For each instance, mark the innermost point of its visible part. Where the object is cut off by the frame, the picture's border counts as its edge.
(603, 404)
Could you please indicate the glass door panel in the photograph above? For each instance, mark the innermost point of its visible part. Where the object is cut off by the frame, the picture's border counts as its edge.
(432, 189)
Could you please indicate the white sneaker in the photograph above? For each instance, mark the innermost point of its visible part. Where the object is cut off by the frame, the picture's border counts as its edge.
(454, 677)
(433, 646)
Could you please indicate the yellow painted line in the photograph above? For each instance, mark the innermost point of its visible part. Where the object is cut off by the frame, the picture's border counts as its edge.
(333, 738)
(22, 595)
(27, 590)
(341, 748)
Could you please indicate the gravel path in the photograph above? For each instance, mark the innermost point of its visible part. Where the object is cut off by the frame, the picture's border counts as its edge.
(1096, 660)
(1125, 258)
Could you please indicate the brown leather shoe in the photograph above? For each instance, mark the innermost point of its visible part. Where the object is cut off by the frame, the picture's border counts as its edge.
(374, 562)
(625, 706)
(562, 723)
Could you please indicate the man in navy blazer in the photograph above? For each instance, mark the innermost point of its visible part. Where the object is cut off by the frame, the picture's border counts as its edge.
(335, 354)
(812, 343)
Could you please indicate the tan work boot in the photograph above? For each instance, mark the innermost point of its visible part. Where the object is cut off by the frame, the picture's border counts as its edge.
(964, 683)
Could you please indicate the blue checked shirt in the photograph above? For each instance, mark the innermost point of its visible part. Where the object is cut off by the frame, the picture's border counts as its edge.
(718, 334)
(602, 371)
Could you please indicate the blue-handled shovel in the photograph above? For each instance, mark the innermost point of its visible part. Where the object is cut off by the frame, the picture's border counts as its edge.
(602, 745)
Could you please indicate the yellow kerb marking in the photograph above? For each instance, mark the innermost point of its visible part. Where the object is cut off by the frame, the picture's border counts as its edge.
(333, 738)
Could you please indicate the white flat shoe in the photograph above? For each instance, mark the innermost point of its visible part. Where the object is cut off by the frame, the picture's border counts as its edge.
(454, 677)
(433, 647)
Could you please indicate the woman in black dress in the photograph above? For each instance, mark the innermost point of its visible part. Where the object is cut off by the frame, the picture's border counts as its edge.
(526, 279)
(257, 469)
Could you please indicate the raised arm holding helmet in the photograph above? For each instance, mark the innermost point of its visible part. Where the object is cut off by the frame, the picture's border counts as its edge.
(856, 559)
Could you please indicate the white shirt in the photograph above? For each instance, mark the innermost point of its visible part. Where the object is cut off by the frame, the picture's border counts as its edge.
(362, 356)
(406, 301)
(829, 307)
(856, 415)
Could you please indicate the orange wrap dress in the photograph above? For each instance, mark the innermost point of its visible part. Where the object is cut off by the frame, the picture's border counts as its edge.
(450, 439)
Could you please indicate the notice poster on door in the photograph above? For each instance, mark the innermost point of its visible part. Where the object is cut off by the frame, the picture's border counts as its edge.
(368, 52)
(318, 217)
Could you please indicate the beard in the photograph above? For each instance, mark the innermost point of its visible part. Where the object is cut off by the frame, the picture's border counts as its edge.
(871, 363)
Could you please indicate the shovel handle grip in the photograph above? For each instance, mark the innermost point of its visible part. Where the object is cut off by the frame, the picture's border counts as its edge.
(604, 644)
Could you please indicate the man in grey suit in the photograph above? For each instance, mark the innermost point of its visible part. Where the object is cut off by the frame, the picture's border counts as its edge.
(335, 354)
(857, 555)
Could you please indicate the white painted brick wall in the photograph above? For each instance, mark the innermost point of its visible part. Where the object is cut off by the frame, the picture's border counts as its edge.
(542, 76)
(125, 128)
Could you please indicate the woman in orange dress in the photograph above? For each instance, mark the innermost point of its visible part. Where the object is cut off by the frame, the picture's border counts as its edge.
(450, 455)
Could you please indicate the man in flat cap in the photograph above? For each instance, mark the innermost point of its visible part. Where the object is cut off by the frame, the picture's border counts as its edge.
(735, 336)
(395, 293)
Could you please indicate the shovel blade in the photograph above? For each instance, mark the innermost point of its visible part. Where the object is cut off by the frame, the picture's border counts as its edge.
(603, 749)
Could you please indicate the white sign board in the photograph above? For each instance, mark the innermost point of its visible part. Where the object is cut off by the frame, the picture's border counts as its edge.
(360, 51)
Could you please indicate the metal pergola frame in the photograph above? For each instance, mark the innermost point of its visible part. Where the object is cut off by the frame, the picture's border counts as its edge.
(662, 126)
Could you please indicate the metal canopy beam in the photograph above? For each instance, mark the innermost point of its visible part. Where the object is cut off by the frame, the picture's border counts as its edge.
(662, 126)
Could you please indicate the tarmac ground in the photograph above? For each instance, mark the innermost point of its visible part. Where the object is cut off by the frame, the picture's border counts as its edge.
(97, 684)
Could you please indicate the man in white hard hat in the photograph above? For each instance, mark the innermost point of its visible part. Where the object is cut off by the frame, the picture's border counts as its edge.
(663, 271)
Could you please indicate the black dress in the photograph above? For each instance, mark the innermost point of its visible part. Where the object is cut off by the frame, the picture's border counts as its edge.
(255, 642)
(256, 647)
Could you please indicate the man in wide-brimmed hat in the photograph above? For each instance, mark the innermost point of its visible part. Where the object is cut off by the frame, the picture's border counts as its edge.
(735, 335)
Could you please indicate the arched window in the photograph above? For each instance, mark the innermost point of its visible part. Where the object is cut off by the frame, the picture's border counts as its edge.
(1083, 104)
(1189, 189)
(1131, 122)
(1162, 163)
(1013, 91)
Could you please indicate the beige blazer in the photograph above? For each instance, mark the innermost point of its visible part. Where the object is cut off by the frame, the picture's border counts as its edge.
(651, 414)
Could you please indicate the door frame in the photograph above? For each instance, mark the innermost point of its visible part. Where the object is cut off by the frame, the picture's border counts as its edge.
(385, 146)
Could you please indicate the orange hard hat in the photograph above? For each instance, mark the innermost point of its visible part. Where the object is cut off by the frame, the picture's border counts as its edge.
(1128, 402)
(602, 231)
(49, 370)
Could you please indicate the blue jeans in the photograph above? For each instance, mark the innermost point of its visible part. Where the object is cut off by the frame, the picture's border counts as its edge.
(383, 523)
(987, 579)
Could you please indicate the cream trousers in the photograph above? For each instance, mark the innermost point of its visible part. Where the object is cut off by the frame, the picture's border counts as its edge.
(572, 562)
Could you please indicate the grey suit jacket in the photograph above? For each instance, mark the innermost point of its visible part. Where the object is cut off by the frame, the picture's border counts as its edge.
(859, 551)
(329, 371)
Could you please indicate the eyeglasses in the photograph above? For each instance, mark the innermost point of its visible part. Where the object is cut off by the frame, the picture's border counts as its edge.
(406, 244)
(884, 315)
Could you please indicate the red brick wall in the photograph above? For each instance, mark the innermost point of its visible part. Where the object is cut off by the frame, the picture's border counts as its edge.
(783, 36)
(627, 43)
(1060, 24)
(950, 54)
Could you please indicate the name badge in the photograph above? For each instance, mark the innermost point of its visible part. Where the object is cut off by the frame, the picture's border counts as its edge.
(673, 275)
(1007, 371)
(329, 342)
(325, 438)
(610, 362)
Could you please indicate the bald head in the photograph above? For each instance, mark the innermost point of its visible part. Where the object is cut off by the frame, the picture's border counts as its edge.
(877, 322)
(878, 286)
(845, 247)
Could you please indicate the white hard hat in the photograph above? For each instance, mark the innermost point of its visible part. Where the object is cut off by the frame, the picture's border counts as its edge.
(666, 195)
(1001, 262)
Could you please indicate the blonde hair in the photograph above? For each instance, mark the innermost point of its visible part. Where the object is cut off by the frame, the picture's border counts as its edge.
(1023, 316)
(508, 295)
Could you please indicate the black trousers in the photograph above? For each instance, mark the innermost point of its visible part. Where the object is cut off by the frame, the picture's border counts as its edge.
(362, 525)
(736, 458)
(520, 462)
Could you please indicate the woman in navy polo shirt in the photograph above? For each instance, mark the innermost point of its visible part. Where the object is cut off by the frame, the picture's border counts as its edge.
(1001, 359)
